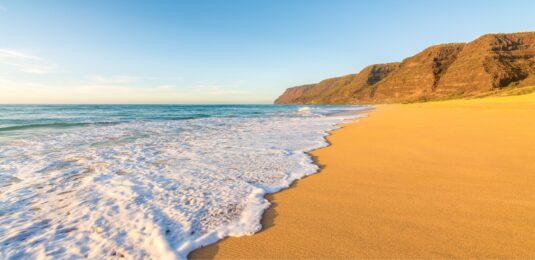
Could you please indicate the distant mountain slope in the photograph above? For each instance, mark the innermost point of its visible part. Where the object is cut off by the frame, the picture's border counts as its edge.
(345, 89)
(491, 62)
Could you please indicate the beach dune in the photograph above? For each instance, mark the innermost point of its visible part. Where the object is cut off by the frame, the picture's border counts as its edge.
(442, 179)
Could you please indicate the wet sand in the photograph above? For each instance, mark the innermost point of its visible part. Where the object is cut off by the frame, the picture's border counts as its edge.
(441, 179)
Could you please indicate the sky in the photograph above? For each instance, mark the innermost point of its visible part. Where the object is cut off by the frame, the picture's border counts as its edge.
(110, 51)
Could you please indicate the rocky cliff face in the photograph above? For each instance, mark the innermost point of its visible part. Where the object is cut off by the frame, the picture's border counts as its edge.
(345, 89)
(418, 75)
(292, 95)
(491, 62)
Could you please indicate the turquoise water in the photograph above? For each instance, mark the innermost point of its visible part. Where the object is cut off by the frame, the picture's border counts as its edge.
(26, 117)
(20, 119)
(147, 181)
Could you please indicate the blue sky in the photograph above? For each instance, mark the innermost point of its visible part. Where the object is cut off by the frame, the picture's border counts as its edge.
(219, 51)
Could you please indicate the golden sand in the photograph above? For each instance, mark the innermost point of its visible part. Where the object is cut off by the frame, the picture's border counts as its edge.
(443, 179)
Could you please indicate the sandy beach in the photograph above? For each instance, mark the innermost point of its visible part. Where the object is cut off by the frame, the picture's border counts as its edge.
(450, 179)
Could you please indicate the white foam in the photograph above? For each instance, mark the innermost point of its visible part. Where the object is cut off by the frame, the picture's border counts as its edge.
(303, 109)
(148, 189)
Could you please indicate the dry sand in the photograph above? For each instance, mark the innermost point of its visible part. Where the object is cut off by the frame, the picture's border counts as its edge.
(443, 179)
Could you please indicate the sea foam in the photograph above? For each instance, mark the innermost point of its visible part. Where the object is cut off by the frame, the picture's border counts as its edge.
(149, 189)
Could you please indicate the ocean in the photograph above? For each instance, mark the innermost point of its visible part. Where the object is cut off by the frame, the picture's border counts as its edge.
(147, 181)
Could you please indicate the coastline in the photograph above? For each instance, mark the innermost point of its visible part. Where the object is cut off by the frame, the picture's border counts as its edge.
(440, 179)
(260, 200)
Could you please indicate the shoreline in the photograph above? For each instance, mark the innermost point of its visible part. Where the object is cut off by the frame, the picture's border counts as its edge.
(266, 222)
(268, 215)
(374, 212)
(266, 196)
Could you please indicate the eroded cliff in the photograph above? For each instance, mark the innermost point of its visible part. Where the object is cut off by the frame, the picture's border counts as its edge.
(491, 62)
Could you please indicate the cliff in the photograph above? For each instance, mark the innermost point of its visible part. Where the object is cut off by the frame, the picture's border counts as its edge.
(489, 63)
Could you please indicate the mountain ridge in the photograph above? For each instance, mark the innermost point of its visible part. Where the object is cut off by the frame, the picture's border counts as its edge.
(489, 63)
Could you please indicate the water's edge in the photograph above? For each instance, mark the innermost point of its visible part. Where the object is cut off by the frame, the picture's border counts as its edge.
(219, 236)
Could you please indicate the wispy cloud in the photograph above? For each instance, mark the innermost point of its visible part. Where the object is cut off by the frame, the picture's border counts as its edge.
(2, 8)
(18, 55)
(117, 79)
(217, 90)
(97, 88)
(26, 62)
(33, 68)
(18, 92)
